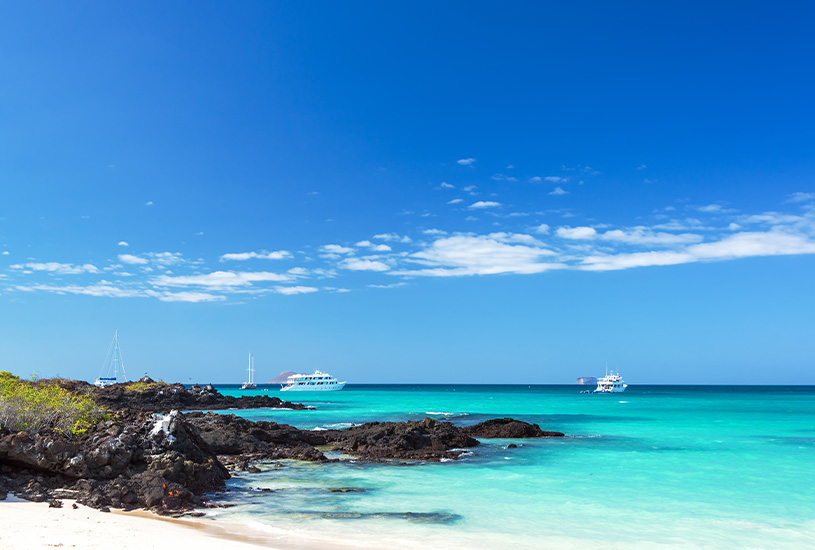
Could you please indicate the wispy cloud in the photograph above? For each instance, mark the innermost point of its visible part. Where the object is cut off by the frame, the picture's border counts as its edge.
(56, 267)
(466, 162)
(358, 264)
(123, 243)
(220, 279)
(479, 255)
(239, 256)
(480, 205)
(292, 290)
(558, 191)
(801, 197)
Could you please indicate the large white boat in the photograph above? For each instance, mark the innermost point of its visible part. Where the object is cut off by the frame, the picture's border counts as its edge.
(112, 366)
(612, 382)
(319, 381)
(250, 382)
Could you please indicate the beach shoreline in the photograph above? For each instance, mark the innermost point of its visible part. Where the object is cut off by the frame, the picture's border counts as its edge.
(34, 525)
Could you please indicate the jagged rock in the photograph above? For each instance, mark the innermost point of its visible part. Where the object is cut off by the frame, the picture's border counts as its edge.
(227, 434)
(426, 439)
(507, 428)
(147, 395)
(138, 460)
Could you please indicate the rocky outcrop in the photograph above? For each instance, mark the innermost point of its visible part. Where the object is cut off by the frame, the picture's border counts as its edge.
(426, 439)
(507, 428)
(148, 395)
(138, 460)
(227, 434)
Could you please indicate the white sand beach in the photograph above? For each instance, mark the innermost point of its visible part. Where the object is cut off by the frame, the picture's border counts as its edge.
(33, 525)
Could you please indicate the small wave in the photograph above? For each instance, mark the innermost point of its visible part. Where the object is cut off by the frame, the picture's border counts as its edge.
(444, 413)
(319, 429)
(341, 425)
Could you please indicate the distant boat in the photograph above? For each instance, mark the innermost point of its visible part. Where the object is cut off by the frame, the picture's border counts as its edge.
(612, 382)
(319, 381)
(112, 365)
(250, 383)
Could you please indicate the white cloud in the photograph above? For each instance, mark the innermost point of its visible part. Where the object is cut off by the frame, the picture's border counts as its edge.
(455, 201)
(643, 235)
(576, 232)
(478, 255)
(542, 229)
(194, 297)
(556, 179)
(503, 177)
(535, 179)
(220, 279)
(484, 204)
(801, 197)
(148, 203)
(357, 264)
(334, 251)
(445, 185)
(131, 259)
(710, 208)
(771, 218)
(434, 232)
(291, 290)
(392, 237)
(4, 253)
(641, 167)
(739, 245)
(375, 247)
(56, 267)
(276, 255)
(558, 191)
(123, 243)
(466, 162)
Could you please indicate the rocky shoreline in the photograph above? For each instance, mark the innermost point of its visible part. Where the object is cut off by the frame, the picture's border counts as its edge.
(149, 455)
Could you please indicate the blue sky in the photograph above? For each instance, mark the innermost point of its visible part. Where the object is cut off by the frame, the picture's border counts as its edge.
(409, 192)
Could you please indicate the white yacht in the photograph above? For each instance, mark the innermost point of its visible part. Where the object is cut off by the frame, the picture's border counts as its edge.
(319, 381)
(611, 383)
(250, 382)
(113, 365)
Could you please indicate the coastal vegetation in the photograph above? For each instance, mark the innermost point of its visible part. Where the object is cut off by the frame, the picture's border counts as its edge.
(43, 405)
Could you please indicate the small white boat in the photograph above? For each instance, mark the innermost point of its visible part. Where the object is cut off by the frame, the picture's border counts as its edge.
(319, 381)
(112, 365)
(612, 382)
(250, 382)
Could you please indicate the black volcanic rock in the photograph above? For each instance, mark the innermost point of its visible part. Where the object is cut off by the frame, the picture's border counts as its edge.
(507, 428)
(227, 434)
(426, 439)
(147, 395)
(133, 461)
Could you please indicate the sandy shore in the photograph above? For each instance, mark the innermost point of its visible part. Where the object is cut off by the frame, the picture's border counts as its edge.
(29, 525)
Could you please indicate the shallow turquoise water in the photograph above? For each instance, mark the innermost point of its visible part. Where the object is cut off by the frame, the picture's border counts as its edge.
(656, 466)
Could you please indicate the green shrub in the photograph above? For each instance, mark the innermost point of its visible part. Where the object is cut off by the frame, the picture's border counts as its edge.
(140, 387)
(25, 406)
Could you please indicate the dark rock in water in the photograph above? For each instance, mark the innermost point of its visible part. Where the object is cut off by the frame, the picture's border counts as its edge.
(507, 428)
(148, 395)
(227, 434)
(426, 439)
(512, 446)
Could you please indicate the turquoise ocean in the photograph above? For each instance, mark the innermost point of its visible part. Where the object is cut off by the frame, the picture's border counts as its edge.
(654, 467)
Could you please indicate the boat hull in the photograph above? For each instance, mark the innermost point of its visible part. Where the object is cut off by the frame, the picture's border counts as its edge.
(333, 387)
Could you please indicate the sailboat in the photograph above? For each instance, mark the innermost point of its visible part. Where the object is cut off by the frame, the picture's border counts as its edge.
(112, 365)
(250, 383)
